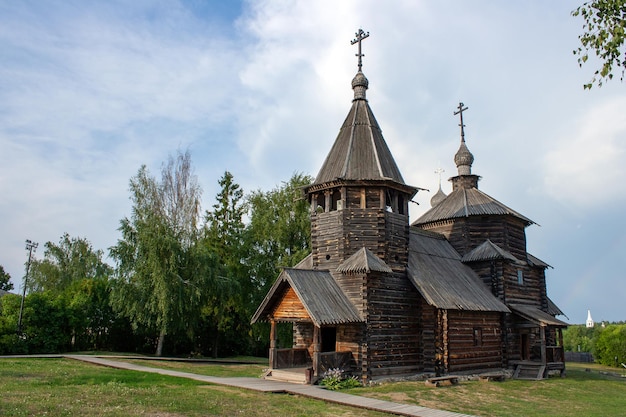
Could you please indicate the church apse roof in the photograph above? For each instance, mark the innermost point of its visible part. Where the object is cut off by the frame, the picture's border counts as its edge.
(465, 202)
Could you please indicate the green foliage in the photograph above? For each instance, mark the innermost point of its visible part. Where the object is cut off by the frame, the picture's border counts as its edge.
(227, 316)
(164, 272)
(5, 280)
(69, 261)
(279, 231)
(336, 379)
(610, 346)
(10, 343)
(605, 343)
(604, 28)
(579, 338)
(45, 324)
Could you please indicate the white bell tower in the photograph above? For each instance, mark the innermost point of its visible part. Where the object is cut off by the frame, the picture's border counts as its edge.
(589, 319)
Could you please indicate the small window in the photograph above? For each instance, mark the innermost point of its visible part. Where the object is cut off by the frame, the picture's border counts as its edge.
(520, 277)
(478, 336)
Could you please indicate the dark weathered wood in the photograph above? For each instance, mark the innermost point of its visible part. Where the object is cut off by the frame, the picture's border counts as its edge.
(394, 299)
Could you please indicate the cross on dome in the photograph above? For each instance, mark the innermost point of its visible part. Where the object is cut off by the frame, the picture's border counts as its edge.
(463, 158)
(360, 35)
(439, 171)
(461, 108)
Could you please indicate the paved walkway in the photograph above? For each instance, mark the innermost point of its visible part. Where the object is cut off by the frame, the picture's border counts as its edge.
(258, 384)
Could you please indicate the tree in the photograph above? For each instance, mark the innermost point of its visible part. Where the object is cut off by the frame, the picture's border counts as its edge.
(578, 338)
(5, 280)
(604, 29)
(610, 346)
(69, 261)
(228, 311)
(279, 231)
(224, 225)
(163, 273)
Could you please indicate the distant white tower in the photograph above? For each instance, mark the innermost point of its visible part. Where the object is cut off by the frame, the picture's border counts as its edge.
(589, 319)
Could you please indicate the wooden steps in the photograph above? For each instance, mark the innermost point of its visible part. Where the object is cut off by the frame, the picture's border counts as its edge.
(529, 371)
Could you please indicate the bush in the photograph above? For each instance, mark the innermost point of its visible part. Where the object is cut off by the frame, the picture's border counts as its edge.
(610, 346)
(336, 379)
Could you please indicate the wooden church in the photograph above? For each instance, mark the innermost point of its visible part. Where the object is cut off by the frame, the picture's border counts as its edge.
(453, 292)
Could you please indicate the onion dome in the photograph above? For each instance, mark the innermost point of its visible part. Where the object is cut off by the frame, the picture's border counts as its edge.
(359, 85)
(438, 197)
(464, 159)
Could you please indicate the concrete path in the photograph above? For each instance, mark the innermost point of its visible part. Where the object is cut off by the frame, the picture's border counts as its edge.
(258, 384)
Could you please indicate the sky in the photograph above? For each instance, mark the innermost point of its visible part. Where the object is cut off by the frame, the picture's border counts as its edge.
(90, 91)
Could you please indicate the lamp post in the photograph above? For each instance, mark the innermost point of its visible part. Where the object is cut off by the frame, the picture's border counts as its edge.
(30, 247)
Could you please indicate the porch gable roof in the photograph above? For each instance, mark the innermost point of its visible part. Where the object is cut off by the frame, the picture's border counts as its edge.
(319, 293)
(535, 315)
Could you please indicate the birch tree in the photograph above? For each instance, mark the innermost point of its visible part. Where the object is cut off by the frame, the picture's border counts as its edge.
(163, 274)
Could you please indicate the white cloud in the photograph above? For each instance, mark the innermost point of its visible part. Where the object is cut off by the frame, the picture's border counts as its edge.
(584, 167)
(89, 91)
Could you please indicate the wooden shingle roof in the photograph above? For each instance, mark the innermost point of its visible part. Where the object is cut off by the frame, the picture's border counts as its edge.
(319, 293)
(534, 261)
(487, 251)
(437, 272)
(363, 261)
(535, 315)
(465, 202)
(360, 152)
(554, 310)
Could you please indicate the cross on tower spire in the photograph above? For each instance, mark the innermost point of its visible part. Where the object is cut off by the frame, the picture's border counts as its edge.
(461, 108)
(360, 35)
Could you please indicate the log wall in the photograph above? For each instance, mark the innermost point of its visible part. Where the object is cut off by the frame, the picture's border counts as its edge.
(466, 233)
(303, 336)
(428, 336)
(474, 340)
(337, 235)
(290, 308)
(393, 325)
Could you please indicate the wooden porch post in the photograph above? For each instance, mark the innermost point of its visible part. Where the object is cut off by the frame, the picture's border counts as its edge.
(542, 333)
(272, 344)
(316, 350)
(446, 340)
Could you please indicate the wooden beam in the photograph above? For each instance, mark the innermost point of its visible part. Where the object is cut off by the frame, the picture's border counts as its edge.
(273, 344)
(317, 347)
(542, 332)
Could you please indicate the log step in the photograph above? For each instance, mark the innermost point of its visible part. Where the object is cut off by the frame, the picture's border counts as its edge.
(294, 376)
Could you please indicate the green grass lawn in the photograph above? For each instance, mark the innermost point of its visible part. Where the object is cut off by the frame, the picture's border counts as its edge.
(580, 394)
(205, 368)
(63, 387)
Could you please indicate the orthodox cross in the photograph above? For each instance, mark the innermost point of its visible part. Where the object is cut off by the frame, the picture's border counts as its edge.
(360, 35)
(439, 171)
(461, 108)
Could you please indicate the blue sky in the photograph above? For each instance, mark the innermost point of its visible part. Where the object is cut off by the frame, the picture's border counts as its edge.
(90, 91)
